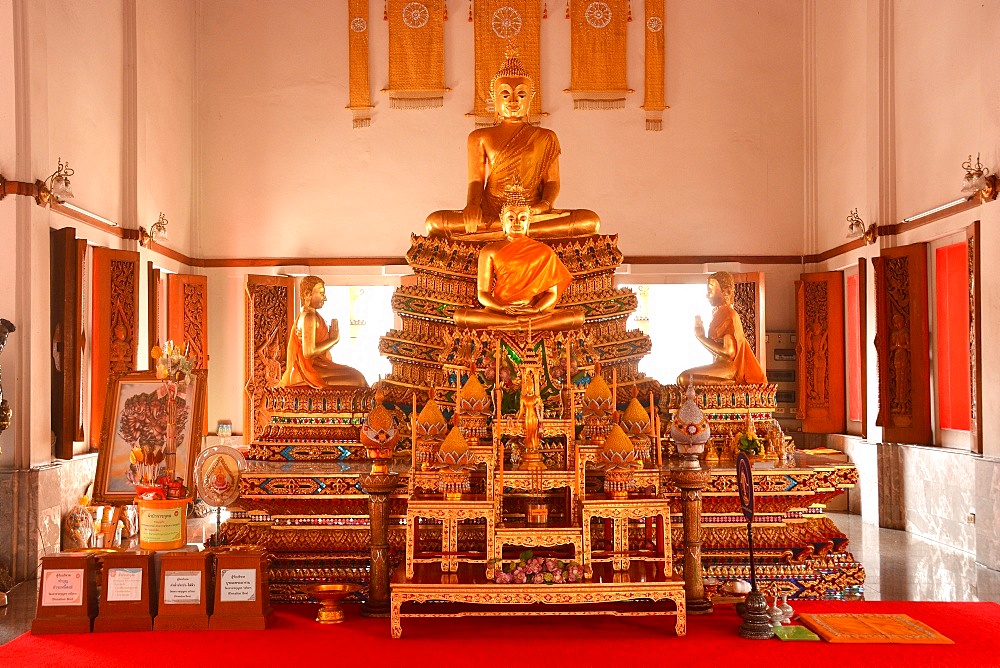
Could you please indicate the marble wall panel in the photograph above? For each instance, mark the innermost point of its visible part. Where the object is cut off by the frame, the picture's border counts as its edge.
(987, 504)
(938, 490)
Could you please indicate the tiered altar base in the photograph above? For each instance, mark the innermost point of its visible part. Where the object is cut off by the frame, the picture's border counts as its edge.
(642, 590)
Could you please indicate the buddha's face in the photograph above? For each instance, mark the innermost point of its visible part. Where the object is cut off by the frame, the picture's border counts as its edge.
(715, 295)
(318, 296)
(516, 220)
(512, 96)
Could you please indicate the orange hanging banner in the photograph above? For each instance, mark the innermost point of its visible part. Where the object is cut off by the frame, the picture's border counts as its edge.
(656, 42)
(498, 25)
(416, 54)
(598, 75)
(357, 40)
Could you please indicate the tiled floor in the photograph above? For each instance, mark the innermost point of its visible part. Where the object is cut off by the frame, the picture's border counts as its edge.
(898, 566)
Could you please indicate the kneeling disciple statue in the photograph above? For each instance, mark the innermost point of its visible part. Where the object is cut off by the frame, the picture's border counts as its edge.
(512, 150)
(309, 344)
(734, 359)
(519, 280)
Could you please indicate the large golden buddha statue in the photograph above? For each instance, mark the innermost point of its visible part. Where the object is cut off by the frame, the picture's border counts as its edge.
(734, 359)
(308, 358)
(512, 149)
(519, 280)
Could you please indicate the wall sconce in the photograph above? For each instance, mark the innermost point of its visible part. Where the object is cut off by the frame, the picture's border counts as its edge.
(157, 232)
(856, 228)
(978, 181)
(56, 188)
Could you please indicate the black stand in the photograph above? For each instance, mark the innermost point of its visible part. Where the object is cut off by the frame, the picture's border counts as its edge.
(756, 624)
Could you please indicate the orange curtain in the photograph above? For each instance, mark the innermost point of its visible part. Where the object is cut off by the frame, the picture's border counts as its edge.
(598, 75)
(499, 24)
(656, 41)
(357, 40)
(416, 54)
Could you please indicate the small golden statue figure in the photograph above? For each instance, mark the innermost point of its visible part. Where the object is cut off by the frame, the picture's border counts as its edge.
(309, 344)
(734, 359)
(510, 150)
(530, 415)
(519, 279)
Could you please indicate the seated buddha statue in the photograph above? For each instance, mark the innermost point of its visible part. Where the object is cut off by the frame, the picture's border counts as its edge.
(512, 149)
(734, 359)
(519, 280)
(308, 357)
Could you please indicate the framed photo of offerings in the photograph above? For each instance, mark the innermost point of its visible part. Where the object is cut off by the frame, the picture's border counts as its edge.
(140, 411)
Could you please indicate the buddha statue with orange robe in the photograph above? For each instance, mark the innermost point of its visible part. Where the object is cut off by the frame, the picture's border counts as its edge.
(512, 150)
(308, 357)
(725, 339)
(519, 280)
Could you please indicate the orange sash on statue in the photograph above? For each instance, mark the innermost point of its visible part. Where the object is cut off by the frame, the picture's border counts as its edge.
(727, 321)
(525, 268)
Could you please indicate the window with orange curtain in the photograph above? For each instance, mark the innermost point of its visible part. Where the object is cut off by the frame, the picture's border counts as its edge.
(952, 330)
(853, 331)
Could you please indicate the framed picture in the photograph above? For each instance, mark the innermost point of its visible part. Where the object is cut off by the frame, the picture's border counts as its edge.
(135, 418)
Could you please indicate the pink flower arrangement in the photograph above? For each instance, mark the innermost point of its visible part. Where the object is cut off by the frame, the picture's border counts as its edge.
(529, 569)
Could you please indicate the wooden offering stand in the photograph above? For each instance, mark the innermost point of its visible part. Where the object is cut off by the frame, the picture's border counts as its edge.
(241, 598)
(126, 600)
(184, 596)
(67, 595)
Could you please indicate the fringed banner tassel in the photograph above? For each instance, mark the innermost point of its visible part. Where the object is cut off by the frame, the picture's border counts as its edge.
(360, 88)
(416, 54)
(655, 30)
(499, 23)
(415, 99)
(598, 74)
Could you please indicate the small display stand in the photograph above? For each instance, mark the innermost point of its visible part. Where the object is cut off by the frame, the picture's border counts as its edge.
(67, 594)
(241, 600)
(126, 597)
(183, 591)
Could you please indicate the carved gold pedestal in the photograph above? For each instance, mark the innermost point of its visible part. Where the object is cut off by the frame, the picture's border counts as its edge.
(692, 481)
(378, 487)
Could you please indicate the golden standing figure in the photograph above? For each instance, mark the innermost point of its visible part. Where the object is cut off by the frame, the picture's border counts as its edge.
(512, 150)
(519, 279)
(309, 344)
(734, 359)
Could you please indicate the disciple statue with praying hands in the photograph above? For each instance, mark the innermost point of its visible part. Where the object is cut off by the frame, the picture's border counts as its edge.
(734, 359)
(519, 280)
(512, 150)
(308, 358)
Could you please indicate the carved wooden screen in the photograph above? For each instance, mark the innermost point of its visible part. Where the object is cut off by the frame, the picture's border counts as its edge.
(187, 315)
(115, 326)
(972, 238)
(65, 305)
(819, 317)
(903, 346)
(270, 312)
(749, 303)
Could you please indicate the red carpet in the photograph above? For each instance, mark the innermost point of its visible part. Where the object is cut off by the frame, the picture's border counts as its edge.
(295, 640)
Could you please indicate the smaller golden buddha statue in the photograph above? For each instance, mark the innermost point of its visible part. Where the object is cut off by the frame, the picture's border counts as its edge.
(726, 340)
(519, 280)
(308, 361)
(512, 150)
(530, 414)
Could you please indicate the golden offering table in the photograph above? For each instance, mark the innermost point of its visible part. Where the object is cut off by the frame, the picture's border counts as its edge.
(619, 512)
(642, 590)
(539, 536)
(450, 513)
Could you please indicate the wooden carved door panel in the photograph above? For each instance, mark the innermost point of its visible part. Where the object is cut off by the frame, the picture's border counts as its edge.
(65, 320)
(187, 315)
(902, 342)
(819, 316)
(270, 314)
(115, 326)
(972, 239)
(749, 303)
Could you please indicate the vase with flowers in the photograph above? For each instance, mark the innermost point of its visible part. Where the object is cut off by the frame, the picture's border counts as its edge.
(749, 443)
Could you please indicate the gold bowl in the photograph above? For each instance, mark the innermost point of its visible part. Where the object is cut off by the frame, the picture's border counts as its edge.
(330, 597)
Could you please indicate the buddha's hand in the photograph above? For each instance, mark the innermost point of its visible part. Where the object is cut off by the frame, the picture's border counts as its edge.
(699, 327)
(543, 206)
(334, 328)
(522, 307)
(472, 216)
